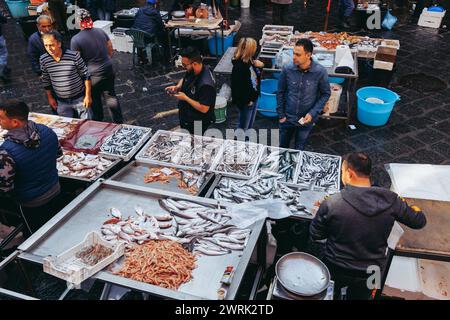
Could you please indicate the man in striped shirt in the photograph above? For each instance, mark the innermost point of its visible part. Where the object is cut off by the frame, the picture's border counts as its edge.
(65, 72)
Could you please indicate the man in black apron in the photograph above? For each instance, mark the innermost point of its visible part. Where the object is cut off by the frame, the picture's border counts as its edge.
(196, 93)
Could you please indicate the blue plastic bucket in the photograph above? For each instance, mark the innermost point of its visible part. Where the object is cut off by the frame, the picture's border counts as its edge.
(375, 114)
(336, 80)
(267, 103)
(18, 8)
(227, 42)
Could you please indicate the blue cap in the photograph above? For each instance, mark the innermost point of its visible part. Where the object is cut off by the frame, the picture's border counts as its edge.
(152, 1)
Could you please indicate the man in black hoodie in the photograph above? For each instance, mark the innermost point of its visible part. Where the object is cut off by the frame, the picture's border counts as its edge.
(149, 19)
(356, 224)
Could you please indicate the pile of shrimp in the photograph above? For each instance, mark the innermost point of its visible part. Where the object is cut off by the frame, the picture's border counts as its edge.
(164, 263)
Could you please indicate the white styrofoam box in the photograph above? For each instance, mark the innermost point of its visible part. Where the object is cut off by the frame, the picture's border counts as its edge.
(433, 13)
(429, 21)
(122, 43)
(104, 25)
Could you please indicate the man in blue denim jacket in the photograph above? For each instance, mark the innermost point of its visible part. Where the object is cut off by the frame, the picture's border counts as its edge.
(303, 91)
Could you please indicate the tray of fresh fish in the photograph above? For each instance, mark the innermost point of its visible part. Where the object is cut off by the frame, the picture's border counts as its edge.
(186, 181)
(198, 152)
(319, 171)
(262, 186)
(282, 161)
(238, 159)
(62, 126)
(125, 142)
(163, 147)
(84, 167)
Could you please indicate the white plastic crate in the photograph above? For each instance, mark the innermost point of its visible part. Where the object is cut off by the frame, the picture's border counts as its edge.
(122, 43)
(431, 19)
(68, 267)
(104, 25)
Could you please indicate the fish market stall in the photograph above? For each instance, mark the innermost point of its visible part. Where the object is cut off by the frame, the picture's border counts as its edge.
(238, 159)
(168, 178)
(125, 142)
(84, 167)
(320, 171)
(300, 201)
(180, 149)
(139, 216)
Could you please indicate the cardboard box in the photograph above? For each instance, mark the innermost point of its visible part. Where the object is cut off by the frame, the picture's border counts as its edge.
(385, 58)
(431, 19)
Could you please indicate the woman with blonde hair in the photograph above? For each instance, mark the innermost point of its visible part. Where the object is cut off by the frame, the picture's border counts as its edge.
(245, 81)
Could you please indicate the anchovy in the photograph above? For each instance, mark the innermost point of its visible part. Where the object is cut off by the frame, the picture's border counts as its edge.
(123, 140)
(319, 170)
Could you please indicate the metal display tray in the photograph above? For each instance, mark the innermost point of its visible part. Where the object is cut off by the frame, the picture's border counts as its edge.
(264, 153)
(88, 212)
(135, 149)
(116, 161)
(140, 156)
(309, 185)
(134, 172)
(308, 197)
(220, 155)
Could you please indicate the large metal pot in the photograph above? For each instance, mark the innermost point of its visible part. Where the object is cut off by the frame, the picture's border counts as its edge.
(302, 274)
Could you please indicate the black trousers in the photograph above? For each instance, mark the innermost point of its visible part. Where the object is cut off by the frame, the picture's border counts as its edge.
(195, 127)
(279, 12)
(355, 281)
(36, 217)
(103, 87)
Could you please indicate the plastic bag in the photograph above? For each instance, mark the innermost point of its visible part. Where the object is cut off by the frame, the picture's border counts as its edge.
(225, 91)
(389, 21)
(88, 136)
(284, 58)
(245, 214)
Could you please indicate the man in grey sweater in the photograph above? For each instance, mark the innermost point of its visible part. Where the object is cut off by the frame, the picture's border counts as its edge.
(356, 224)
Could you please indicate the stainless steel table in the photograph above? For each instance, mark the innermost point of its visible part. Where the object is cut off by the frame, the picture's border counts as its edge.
(89, 211)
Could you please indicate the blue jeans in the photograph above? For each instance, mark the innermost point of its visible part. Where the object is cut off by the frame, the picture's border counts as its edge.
(346, 8)
(73, 108)
(247, 116)
(288, 130)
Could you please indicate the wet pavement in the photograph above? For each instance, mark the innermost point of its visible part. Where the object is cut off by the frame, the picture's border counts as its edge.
(418, 130)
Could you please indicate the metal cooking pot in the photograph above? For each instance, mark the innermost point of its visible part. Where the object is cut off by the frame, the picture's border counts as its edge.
(302, 274)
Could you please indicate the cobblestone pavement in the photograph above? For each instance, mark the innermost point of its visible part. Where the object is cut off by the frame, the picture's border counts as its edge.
(418, 130)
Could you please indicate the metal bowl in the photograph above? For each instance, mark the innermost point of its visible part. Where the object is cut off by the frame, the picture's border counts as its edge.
(177, 14)
(302, 274)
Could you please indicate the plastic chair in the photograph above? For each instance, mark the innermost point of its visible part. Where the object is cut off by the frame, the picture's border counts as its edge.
(139, 42)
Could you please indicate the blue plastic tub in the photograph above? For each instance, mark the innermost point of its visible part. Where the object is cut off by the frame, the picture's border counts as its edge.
(336, 80)
(267, 103)
(227, 42)
(18, 8)
(375, 114)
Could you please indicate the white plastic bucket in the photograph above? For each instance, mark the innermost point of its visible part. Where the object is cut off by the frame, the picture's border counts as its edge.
(245, 3)
(332, 104)
(220, 109)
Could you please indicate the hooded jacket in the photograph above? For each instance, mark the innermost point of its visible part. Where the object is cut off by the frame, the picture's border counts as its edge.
(148, 19)
(357, 222)
(33, 150)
